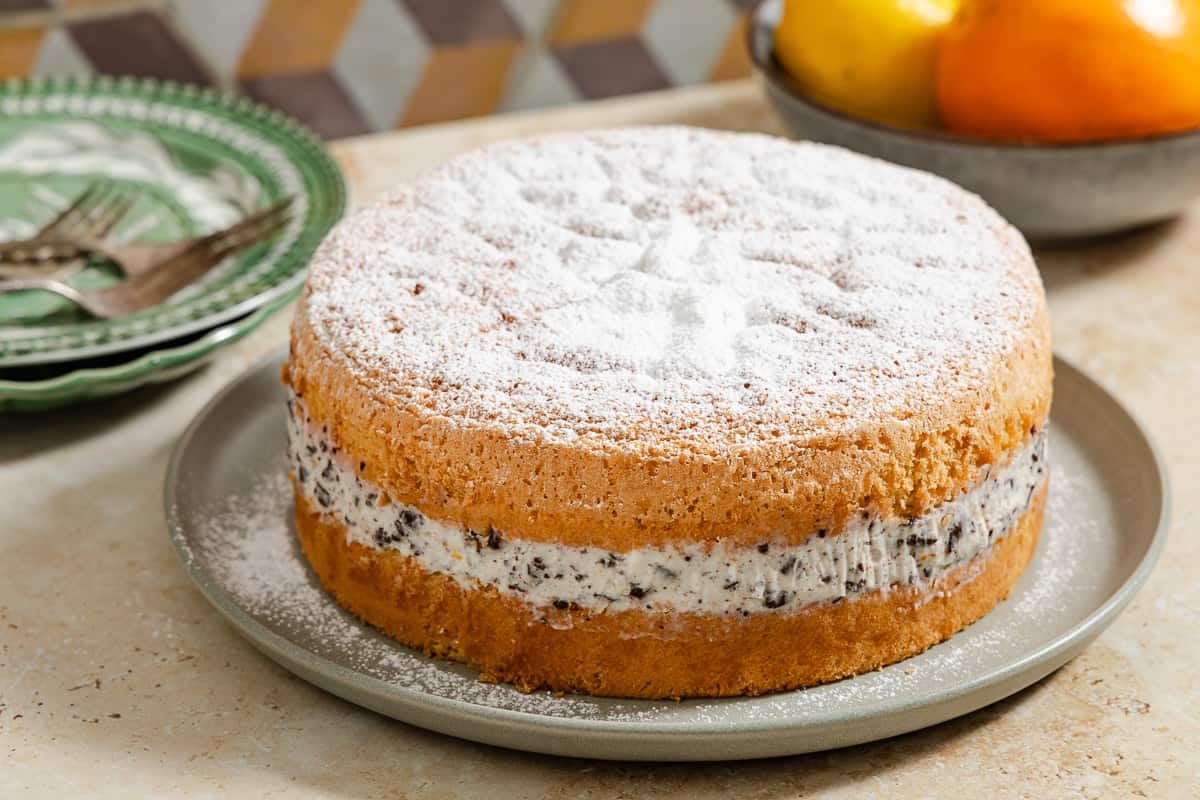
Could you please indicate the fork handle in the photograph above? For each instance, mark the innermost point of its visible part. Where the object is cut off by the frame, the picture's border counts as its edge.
(39, 251)
(45, 285)
(55, 269)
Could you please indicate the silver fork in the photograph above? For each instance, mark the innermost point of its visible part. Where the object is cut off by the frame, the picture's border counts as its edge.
(152, 286)
(91, 216)
(134, 258)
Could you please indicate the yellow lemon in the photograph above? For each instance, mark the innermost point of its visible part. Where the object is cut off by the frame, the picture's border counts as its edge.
(874, 59)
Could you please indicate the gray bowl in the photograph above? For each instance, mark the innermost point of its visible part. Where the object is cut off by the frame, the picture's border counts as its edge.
(1048, 191)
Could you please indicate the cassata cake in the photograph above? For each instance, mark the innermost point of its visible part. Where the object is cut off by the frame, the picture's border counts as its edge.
(665, 412)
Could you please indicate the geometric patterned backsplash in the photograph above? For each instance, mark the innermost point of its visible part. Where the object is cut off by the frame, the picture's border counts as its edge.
(347, 67)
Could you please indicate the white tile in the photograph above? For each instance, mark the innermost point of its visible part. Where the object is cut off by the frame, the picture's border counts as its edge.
(537, 81)
(534, 16)
(218, 30)
(380, 60)
(60, 56)
(687, 36)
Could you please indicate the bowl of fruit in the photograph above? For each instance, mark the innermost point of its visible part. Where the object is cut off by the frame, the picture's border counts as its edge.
(1071, 117)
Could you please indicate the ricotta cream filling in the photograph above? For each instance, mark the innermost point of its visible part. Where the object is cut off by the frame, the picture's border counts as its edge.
(870, 554)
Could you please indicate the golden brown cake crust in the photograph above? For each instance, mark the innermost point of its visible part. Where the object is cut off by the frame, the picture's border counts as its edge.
(660, 655)
(784, 491)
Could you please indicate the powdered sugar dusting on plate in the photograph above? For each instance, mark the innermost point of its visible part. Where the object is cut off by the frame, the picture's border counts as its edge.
(632, 282)
(246, 547)
(251, 552)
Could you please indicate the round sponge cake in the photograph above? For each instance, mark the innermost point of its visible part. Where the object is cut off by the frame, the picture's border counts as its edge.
(666, 412)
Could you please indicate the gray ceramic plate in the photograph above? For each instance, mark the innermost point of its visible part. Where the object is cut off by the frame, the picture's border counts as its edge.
(228, 510)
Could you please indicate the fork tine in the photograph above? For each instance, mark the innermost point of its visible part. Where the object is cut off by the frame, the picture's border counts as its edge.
(85, 197)
(172, 275)
(74, 223)
(111, 215)
(249, 237)
(275, 210)
(96, 216)
(205, 254)
(247, 223)
(92, 214)
(99, 218)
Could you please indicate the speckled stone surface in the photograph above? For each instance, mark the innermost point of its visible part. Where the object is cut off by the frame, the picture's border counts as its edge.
(118, 680)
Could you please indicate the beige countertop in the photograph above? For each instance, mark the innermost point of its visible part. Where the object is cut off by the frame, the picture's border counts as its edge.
(118, 680)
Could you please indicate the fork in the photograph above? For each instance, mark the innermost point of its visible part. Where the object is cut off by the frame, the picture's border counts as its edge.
(91, 216)
(150, 287)
(135, 258)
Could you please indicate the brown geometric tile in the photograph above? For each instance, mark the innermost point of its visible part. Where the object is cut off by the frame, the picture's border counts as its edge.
(460, 82)
(18, 50)
(734, 61)
(314, 98)
(612, 67)
(452, 22)
(581, 21)
(140, 44)
(24, 5)
(296, 36)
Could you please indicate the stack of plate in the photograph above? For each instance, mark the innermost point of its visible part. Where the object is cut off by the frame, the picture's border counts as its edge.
(197, 161)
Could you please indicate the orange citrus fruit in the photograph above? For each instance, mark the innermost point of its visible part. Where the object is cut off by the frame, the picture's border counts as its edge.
(1071, 70)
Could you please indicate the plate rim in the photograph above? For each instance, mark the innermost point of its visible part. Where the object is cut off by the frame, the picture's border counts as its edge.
(16, 395)
(79, 385)
(285, 132)
(1025, 670)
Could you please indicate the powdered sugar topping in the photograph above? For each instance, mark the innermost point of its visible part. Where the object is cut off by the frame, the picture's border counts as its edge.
(632, 281)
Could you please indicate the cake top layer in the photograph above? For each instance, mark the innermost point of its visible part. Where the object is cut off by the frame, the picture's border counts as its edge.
(711, 287)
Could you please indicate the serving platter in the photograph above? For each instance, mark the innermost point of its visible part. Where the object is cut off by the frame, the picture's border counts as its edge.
(228, 508)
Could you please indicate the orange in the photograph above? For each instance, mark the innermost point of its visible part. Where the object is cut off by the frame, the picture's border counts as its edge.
(1071, 70)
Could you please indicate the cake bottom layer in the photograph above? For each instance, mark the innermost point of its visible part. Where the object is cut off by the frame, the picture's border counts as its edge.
(636, 653)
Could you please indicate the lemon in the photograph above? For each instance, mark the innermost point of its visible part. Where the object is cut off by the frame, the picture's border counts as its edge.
(874, 59)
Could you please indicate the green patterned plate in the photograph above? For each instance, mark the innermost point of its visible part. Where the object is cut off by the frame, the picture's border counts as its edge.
(44, 386)
(197, 160)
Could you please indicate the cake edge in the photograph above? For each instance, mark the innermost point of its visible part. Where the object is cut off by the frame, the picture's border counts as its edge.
(637, 654)
(903, 468)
